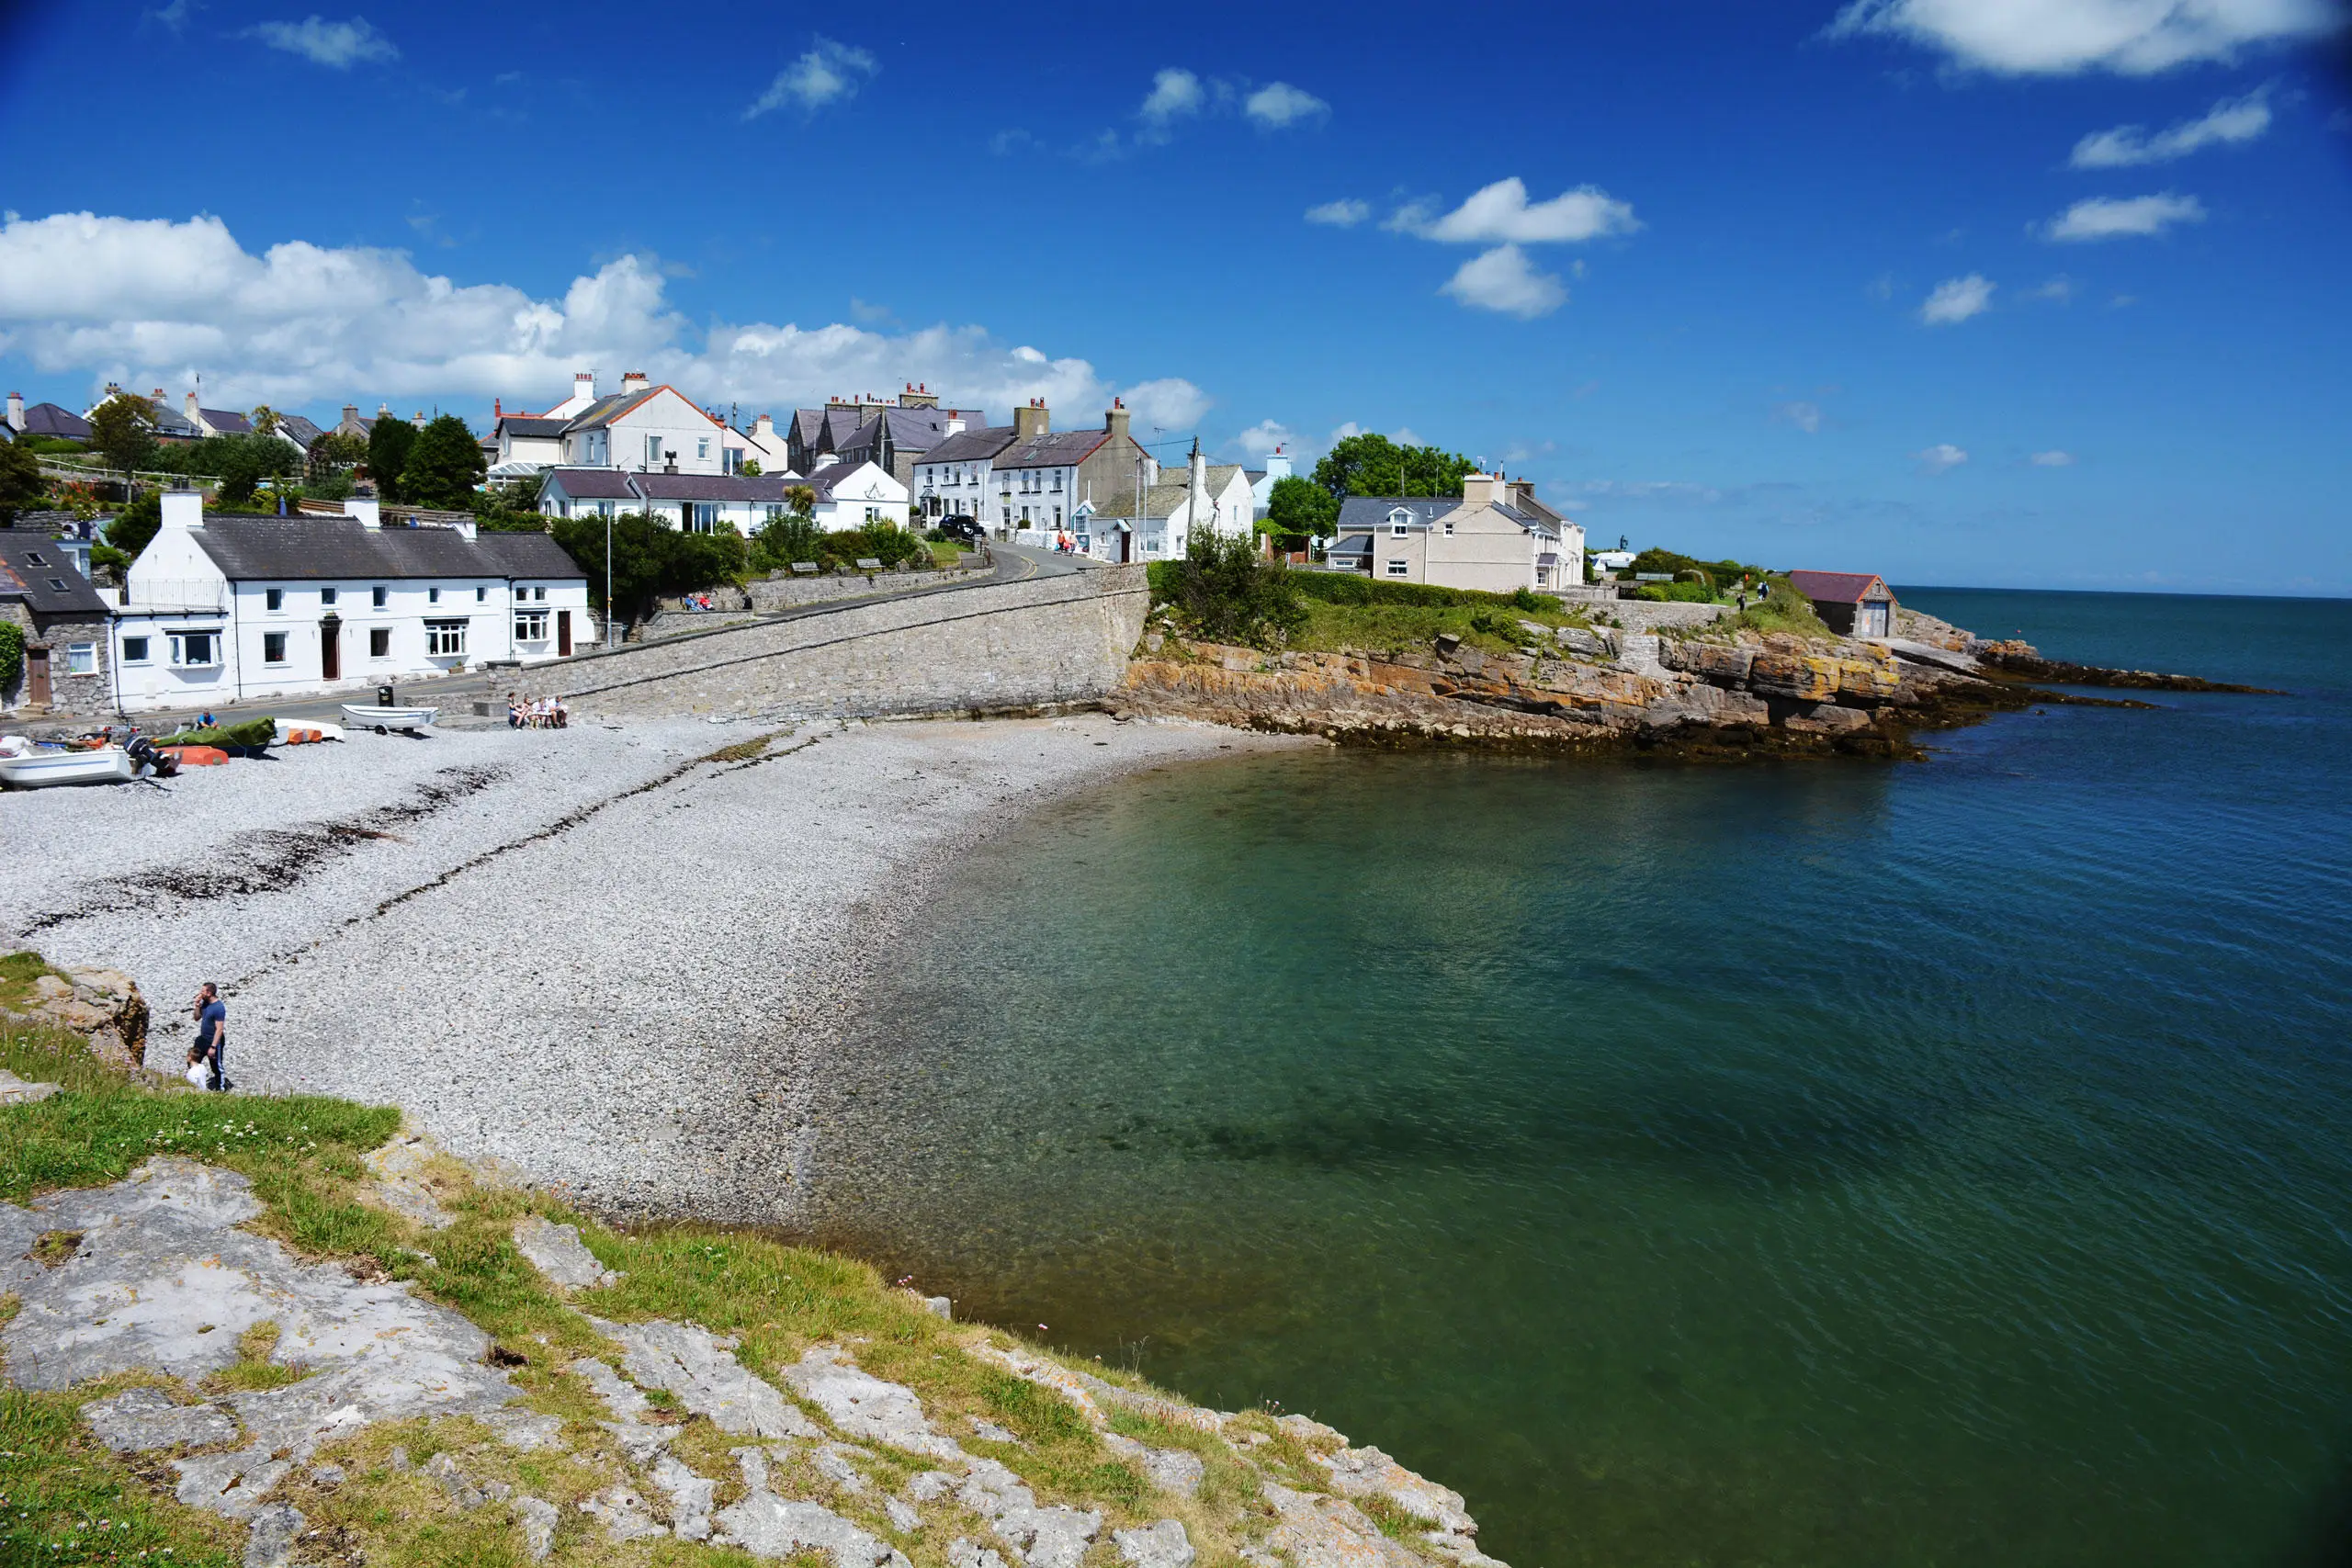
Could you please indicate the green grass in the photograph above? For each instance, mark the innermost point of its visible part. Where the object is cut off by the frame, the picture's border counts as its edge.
(17, 973)
(65, 1499)
(1393, 629)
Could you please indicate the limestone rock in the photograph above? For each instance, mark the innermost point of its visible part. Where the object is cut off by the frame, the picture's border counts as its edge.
(138, 1419)
(701, 1369)
(556, 1251)
(1828, 718)
(271, 1536)
(401, 1186)
(537, 1518)
(1171, 1470)
(767, 1526)
(963, 1552)
(832, 1461)
(865, 1406)
(929, 1485)
(102, 1005)
(455, 1484)
(989, 1432)
(1358, 1472)
(1330, 1532)
(14, 1091)
(690, 1495)
(903, 1518)
(526, 1430)
(1160, 1545)
(623, 1513)
(1725, 664)
(1054, 1536)
(620, 1396)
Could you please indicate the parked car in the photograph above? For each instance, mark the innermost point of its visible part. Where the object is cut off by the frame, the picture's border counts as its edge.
(962, 530)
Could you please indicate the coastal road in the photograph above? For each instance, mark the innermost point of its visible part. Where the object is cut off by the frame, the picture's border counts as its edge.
(456, 695)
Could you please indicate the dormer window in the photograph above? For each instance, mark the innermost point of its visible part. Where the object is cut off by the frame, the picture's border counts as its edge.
(33, 559)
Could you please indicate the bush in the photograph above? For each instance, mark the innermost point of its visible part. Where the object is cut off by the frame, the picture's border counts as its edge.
(1223, 591)
(12, 653)
(136, 524)
(1347, 588)
(781, 541)
(649, 560)
(1675, 593)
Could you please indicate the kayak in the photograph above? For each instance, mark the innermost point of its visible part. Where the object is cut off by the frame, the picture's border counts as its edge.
(195, 756)
(306, 732)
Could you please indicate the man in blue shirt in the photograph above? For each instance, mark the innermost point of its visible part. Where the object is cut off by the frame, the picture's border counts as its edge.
(212, 1031)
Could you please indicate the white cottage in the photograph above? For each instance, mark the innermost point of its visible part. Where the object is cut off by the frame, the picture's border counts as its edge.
(854, 495)
(1174, 505)
(227, 608)
(644, 428)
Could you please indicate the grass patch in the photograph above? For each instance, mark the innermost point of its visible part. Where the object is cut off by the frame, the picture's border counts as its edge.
(53, 1248)
(71, 1502)
(1393, 629)
(1786, 611)
(1396, 1521)
(17, 973)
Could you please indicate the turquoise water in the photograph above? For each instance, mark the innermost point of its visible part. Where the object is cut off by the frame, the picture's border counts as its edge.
(1802, 1163)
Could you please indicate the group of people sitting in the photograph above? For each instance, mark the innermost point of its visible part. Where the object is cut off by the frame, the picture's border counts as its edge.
(699, 601)
(536, 713)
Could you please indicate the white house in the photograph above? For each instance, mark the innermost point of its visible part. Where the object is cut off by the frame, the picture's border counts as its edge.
(854, 495)
(698, 504)
(1496, 538)
(644, 428)
(227, 608)
(1175, 504)
(952, 478)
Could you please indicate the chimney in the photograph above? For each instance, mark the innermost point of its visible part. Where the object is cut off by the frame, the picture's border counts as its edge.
(1481, 489)
(1278, 464)
(765, 426)
(189, 403)
(1032, 419)
(351, 413)
(632, 381)
(916, 397)
(16, 410)
(183, 509)
(365, 510)
(584, 385)
(1115, 421)
(956, 424)
(497, 409)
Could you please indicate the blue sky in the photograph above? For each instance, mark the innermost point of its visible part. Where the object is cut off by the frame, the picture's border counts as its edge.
(2007, 292)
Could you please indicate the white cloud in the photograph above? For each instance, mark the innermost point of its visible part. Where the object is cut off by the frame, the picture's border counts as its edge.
(1956, 299)
(832, 71)
(174, 16)
(1941, 458)
(1502, 279)
(2059, 290)
(2052, 459)
(1175, 93)
(1341, 432)
(2111, 217)
(1264, 436)
(1803, 415)
(2062, 36)
(2233, 122)
(1344, 213)
(1170, 402)
(1278, 104)
(1501, 213)
(339, 45)
(149, 302)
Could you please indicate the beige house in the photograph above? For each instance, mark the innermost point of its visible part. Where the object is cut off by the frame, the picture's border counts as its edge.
(1496, 538)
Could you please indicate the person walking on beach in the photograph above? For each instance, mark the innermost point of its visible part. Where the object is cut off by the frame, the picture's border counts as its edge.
(212, 1031)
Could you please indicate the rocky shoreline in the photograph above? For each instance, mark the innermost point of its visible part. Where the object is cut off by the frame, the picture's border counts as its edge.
(1699, 692)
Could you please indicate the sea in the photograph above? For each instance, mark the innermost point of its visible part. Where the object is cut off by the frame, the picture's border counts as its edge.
(1829, 1163)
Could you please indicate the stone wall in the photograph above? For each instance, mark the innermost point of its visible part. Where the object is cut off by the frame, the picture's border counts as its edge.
(789, 593)
(991, 646)
(1642, 615)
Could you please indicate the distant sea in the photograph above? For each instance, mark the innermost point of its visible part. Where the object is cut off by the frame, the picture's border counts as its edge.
(1799, 1162)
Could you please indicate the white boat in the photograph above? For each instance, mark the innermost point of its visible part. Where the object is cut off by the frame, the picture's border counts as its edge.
(301, 731)
(383, 720)
(40, 770)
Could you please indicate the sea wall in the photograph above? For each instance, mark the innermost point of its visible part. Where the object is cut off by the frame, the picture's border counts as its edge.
(990, 646)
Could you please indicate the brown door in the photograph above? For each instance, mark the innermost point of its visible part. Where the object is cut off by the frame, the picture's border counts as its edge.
(37, 692)
(563, 633)
(331, 649)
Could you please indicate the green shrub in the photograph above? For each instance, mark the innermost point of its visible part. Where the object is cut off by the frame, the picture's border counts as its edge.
(1223, 591)
(12, 653)
(1675, 593)
(1347, 588)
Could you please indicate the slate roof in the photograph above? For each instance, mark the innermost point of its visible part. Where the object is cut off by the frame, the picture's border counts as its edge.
(972, 445)
(227, 421)
(34, 569)
(765, 488)
(304, 430)
(1161, 500)
(604, 411)
(1055, 449)
(1836, 587)
(169, 421)
(591, 484)
(48, 419)
(293, 549)
(825, 480)
(532, 426)
(1359, 513)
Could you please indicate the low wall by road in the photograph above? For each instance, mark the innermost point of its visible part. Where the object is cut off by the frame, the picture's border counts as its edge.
(989, 646)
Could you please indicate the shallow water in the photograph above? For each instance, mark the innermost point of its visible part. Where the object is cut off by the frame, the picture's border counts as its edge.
(1802, 1163)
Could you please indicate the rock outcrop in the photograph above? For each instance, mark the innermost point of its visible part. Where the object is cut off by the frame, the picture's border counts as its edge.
(102, 1005)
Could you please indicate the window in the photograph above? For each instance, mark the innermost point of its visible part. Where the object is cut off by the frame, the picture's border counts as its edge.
(433, 595)
(1398, 568)
(274, 599)
(706, 516)
(34, 558)
(1058, 482)
(481, 595)
(193, 650)
(81, 659)
(380, 642)
(378, 598)
(444, 638)
(873, 515)
(654, 450)
(326, 597)
(273, 647)
(1057, 516)
(134, 651)
(539, 595)
(1448, 530)
(530, 626)
(702, 448)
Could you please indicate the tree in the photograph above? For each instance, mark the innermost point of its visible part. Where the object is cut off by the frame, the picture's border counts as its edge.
(21, 480)
(1223, 591)
(649, 559)
(444, 465)
(334, 451)
(122, 431)
(388, 447)
(750, 469)
(264, 420)
(242, 462)
(784, 539)
(1371, 464)
(136, 524)
(510, 506)
(1301, 506)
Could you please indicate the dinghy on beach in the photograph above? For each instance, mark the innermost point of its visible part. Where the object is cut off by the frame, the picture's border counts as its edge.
(43, 768)
(384, 720)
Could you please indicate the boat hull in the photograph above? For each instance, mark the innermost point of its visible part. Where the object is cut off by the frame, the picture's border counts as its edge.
(47, 770)
(384, 720)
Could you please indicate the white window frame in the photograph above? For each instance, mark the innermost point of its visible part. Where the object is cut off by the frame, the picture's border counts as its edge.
(653, 451)
(375, 631)
(81, 659)
(1400, 568)
(211, 638)
(531, 625)
(326, 598)
(445, 639)
(142, 657)
(273, 600)
(270, 640)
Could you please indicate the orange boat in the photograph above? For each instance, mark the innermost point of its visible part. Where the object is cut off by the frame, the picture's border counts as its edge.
(195, 756)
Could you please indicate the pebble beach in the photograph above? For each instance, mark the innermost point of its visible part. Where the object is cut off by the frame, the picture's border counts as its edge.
(616, 956)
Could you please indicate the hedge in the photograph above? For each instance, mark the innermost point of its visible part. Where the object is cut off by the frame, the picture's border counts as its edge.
(1347, 588)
